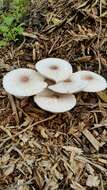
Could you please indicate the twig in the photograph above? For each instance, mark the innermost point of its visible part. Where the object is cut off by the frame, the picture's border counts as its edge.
(34, 124)
(99, 33)
(101, 180)
(14, 109)
(51, 49)
(30, 35)
(81, 158)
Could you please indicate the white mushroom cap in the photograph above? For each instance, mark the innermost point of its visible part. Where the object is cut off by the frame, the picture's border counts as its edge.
(55, 103)
(23, 82)
(72, 85)
(54, 68)
(95, 82)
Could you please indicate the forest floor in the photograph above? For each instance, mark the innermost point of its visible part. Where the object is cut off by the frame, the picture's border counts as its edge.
(67, 151)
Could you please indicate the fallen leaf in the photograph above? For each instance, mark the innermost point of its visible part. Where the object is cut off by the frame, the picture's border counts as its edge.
(5, 158)
(92, 181)
(56, 21)
(43, 132)
(103, 95)
(9, 170)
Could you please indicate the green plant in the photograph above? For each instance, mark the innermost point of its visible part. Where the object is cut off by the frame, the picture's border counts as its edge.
(11, 21)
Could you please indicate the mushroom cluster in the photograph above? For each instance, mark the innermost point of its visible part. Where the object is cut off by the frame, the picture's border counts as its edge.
(52, 84)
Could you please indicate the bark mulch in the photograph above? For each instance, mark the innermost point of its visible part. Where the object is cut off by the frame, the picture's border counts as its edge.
(67, 151)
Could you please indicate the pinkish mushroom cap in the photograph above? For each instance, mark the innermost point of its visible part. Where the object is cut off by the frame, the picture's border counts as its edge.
(95, 82)
(54, 68)
(55, 103)
(23, 82)
(72, 85)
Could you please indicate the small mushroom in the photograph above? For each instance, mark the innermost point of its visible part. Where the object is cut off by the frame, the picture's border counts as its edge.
(95, 82)
(54, 68)
(55, 103)
(23, 82)
(71, 85)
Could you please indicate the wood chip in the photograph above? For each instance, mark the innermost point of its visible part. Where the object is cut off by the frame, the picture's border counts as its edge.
(9, 170)
(30, 35)
(94, 164)
(90, 169)
(77, 186)
(92, 181)
(22, 186)
(92, 139)
(73, 149)
(12, 102)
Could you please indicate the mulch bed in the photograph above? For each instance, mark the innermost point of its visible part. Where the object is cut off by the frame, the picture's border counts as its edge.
(67, 151)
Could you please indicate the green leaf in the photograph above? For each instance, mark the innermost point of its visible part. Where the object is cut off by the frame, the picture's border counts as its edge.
(8, 20)
(18, 29)
(11, 27)
(9, 36)
(3, 28)
(17, 16)
(3, 43)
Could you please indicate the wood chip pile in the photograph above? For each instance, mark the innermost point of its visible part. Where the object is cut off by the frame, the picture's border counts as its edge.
(45, 151)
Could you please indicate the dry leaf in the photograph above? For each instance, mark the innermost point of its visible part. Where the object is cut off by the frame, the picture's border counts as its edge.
(73, 149)
(5, 158)
(9, 170)
(55, 21)
(43, 132)
(103, 95)
(92, 181)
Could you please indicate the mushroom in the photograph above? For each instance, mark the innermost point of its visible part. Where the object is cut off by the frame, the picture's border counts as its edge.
(54, 68)
(23, 82)
(95, 82)
(71, 85)
(53, 102)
